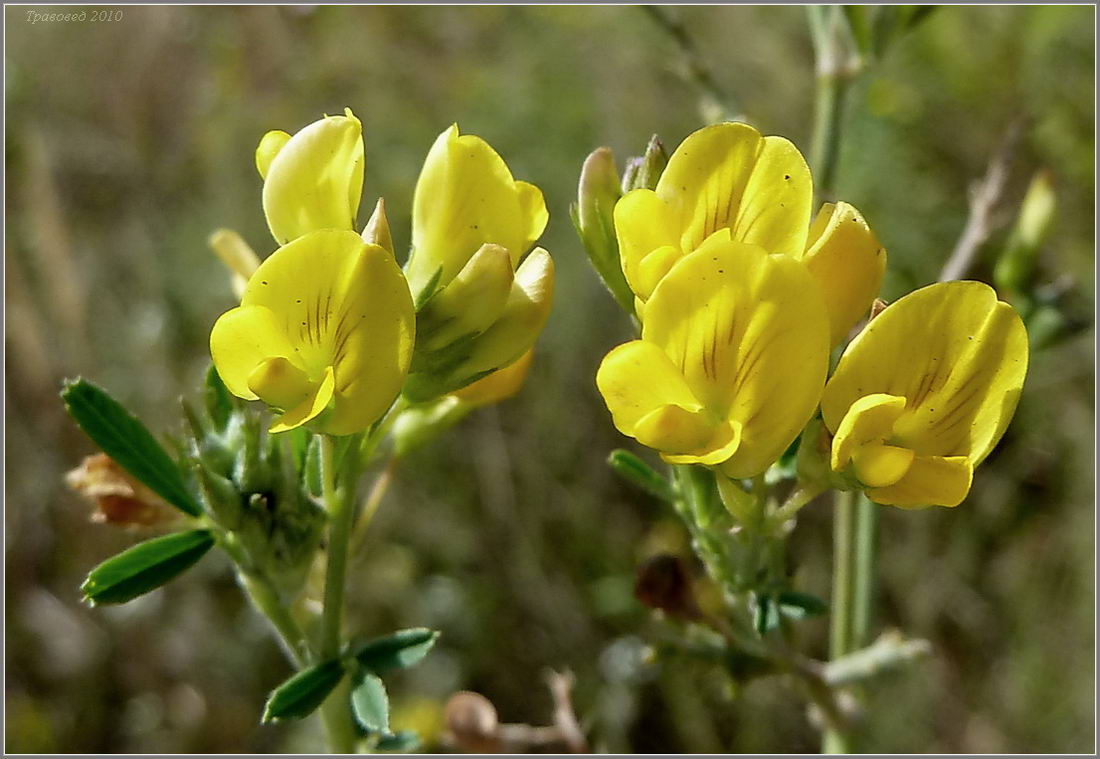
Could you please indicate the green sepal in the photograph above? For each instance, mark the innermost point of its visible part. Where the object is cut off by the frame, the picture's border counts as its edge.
(398, 650)
(298, 696)
(640, 474)
(125, 439)
(370, 705)
(145, 567)
(217, 399)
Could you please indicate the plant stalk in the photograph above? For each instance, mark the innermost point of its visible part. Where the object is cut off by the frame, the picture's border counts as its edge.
(335, 711)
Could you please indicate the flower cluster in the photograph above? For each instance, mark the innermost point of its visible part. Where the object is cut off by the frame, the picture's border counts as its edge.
(330, 329)
(741, 299)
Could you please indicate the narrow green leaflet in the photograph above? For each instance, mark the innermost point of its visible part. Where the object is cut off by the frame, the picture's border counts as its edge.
(638, 473)
(126, 440)
(370, 705)
(398, 650)
(145, 567)
(304, 692)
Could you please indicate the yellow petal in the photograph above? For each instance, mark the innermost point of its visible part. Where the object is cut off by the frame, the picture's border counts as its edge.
(269, 147)
(846, 259)
(345, 304)
(315, 180)
(871, 418)
(723, 442)
(878, 465)
(930, 481)
(654, 267)
(643, 223)
(636, 379)
(241, 340)
(958, 357)
(749, 333)
(466, 197)
(532, 209)
(470, 303)
(728, 175)
(279, 383)
(310, 407)
(498, 386)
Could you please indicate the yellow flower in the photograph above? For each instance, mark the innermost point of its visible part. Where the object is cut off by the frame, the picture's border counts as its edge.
(728, 177)
(731, 363)
(466, 197)
(314, 179)
(472, 224)
(326, 324)
(924, 393)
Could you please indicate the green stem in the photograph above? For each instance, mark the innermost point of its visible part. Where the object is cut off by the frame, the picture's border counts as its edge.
(825, 149)
(835, 68)
(855, 527)
(836, 740)
(267, 602)
(335, 711)
(863, 584)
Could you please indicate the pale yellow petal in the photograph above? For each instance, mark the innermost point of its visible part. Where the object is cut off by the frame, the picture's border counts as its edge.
(643, 223)
(958, 357)
(749, 333)
(930, 481)
(877, 465)
(310, 408)
(848, 263)
(470, 303)
(279, 383)
(728, 175)
(636, 379)
(466, 197)
(315, 180)
(345, 304)
(241, 340)
(871, 418)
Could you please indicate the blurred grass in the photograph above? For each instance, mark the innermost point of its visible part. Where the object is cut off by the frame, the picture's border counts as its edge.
(128, 142)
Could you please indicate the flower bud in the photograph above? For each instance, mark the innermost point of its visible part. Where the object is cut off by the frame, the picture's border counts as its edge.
(470, 303)
(593, 219)
(313, 180)
(1016, 266)
(464, 361)
(653, 164)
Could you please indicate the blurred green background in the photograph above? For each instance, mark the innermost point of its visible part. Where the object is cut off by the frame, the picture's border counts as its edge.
(129, 141)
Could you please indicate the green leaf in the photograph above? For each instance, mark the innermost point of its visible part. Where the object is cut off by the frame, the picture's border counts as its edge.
(219, 402)
(403, 741)
(370, 705)
(304, 692)
(795, 605)
(145, 566)
(126, 440)
(638, 473)
(398, 650)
